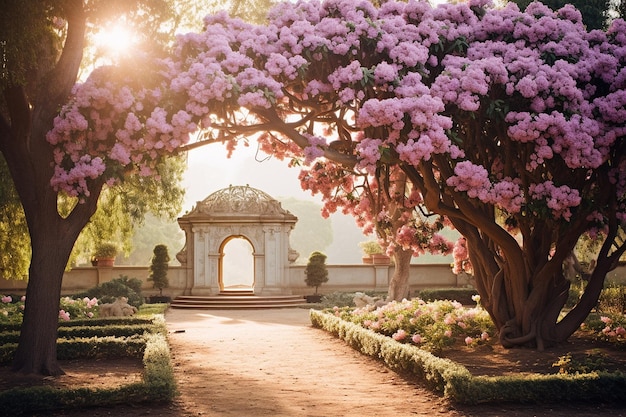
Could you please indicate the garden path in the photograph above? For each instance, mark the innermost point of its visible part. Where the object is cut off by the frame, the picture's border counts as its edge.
(273, 363)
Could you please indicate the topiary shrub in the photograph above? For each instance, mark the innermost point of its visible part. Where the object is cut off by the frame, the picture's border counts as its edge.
(159, 267)
(316, 272)
(108, 292)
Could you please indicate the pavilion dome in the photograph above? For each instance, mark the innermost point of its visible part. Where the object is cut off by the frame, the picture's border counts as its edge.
(239, 201)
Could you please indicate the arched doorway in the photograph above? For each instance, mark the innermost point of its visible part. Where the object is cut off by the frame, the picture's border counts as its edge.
(236, 266)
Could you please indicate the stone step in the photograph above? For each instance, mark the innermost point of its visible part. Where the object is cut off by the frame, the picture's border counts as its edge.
(228, 301)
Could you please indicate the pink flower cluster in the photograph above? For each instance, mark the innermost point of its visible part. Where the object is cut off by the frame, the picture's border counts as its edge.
(64, 315)
(611, 330)
(315, 148)
(427, 324)
(109, 126)
(560, 200)
(460, 254)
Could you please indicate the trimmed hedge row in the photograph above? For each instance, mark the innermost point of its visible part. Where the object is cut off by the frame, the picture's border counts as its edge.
(457, 383)
(87, 332)
(158, 384)
(462, 295)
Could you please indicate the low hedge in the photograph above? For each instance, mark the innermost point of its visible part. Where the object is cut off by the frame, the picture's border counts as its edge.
(158, 383)
(87, 332)
(455, 382)
(462, 295)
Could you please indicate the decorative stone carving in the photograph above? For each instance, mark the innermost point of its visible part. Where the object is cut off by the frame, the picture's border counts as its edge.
(240, 199)
(293, 255)
(182, 256)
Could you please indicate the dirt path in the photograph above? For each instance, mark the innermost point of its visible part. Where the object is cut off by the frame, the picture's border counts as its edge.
(273, 363)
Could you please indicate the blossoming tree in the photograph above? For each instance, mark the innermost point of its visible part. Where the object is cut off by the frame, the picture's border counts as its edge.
(44, 46)
(383, 202)
(42, 53)
(490, 113)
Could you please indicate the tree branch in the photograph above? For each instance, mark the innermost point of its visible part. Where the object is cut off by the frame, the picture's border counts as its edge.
(63, 77)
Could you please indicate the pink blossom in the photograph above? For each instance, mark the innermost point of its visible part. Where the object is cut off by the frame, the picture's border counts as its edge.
(558, 199)
(64, 315)
(6, 299)
(399, 335)
(416, 338)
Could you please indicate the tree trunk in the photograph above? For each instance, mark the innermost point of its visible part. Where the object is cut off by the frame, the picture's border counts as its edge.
(399, 283)
(30, 160)
(52, 240)
(36, 352)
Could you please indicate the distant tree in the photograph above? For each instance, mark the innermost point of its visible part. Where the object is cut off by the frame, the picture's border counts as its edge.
(122, 208)
(152, 231)
(14, 239)
(312, 231)
(383, 201)
(316, 272)
(159, 267)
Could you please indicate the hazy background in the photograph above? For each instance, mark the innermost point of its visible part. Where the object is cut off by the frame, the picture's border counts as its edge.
(210, 170)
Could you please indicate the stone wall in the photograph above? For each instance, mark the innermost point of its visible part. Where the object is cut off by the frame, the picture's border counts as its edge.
(341, 278)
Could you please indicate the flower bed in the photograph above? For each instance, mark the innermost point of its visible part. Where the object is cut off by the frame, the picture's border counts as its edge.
(391, 335)
(432, 326)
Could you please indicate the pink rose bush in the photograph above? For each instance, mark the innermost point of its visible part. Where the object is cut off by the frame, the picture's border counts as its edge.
(432, 326)
(78, 308)
(614, 328)
(12, 311)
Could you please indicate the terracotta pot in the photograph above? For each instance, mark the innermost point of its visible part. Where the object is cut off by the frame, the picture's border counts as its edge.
(380, 259)
(367, 259)
(106, 262)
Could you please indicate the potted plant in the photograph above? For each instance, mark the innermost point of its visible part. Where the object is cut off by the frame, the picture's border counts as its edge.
(158, 273)
(105, 253)
(373, 253)
(316, 274)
